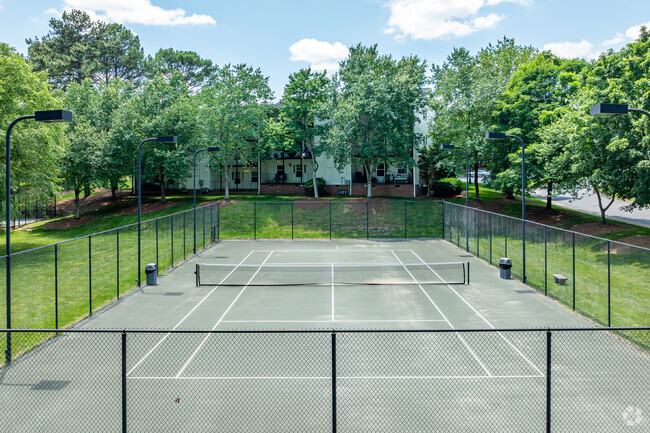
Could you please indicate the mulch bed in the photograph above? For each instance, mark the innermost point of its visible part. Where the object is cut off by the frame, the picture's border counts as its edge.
(640, 240)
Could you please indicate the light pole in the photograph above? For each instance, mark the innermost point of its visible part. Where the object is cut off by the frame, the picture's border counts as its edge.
(160, 139)
(614, 110)
(501, 136)
(51, 116)
(451, 146)
(209, 149)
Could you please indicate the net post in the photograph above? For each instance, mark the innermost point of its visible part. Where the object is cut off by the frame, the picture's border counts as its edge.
(468, 273)
(548, 380)
(90, 275)
(124, 424)
(197, 275)
(333, 340)
(56, 286)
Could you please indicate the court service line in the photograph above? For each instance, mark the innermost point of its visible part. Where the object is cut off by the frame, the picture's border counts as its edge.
(527, 376)
(483, 318)
(222, 316)
(186, 316)
(337, 321)
(444, 317)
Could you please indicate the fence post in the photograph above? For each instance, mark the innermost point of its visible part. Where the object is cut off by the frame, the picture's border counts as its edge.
(184, 242)
(505, 233)
(203, 226)
(491, 238)
(443, 219)
(218, 221)
(548, 380)
(609, 286)
(333, 381)
(330, 208)
(172, 223)
(56, 286)
(254, 220)
(573, 240)
(90, 275)
(367, 220)
(545, 262)
(476, 216)
(117, 264)
(124, 381)
(405, 220)
(291, 220)
(156, 242)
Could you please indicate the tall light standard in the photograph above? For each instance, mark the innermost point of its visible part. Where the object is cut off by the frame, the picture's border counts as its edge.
(50, 116)
(451, 146)
(614, 110)
(160, 139)
(501, 136)
(209, 149)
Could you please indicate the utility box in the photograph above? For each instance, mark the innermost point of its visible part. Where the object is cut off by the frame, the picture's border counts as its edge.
(152, 274)
(505, 267)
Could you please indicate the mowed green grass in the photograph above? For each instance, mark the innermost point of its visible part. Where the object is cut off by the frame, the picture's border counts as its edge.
(551, 251)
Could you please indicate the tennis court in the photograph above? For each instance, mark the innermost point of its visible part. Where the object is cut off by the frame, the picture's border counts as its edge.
(344, 335)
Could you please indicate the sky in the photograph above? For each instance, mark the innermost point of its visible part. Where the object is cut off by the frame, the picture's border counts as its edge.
(283, 36)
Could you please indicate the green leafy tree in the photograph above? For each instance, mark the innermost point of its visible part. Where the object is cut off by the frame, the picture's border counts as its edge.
(303, 99)
(466, 91)
(35, 148)
(195, 70)
(233, 110)
(116, 53)
(373, 110)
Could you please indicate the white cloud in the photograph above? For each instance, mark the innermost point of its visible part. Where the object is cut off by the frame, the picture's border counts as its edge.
(434, 19)
(319, 54)
(633, 32)
(570, 50)
(137, 12)
(616, 40)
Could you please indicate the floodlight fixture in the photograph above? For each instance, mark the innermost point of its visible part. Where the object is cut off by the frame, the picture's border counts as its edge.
(614, 110)
(53, 116)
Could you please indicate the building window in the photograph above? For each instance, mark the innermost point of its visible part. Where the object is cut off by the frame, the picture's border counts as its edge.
(253, 176)
(381, 170)
(401, 168)
(299, 170)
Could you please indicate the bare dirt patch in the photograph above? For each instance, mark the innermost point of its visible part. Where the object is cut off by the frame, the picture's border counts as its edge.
(148, 207)
(639, 240)
(597, 229)
(93, 201)
(490, 206)
(311, 204)
(67, 223)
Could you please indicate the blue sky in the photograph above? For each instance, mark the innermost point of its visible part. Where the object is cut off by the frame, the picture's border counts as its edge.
(282, 36)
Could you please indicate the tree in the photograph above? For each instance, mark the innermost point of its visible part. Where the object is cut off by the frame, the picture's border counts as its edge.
(538, 92)
(373, 110)
(195, 70)
(35, 148)
(233, 109)
(303, 99)
(77, 48)
(434, 165)
(466, 91)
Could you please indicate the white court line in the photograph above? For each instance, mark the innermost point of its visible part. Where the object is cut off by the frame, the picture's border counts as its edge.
(484, 319)
(186, 316)
(221, 318)
(329, 377)
(333, 292)
(444, 317)
(336, 321)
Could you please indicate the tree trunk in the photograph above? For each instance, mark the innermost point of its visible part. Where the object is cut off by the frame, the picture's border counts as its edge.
(163, 195)
(87, 190)
(226, 195)
(114, 191)
(549, 196)
(600, 206)
(367, 167)
(77, 192)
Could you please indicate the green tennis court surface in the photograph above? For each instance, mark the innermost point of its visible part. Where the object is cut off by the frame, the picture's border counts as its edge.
(412, 367)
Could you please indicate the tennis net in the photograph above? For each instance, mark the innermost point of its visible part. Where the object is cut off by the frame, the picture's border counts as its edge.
(209, 274)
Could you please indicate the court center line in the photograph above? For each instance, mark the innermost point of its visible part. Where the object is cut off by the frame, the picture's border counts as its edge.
(186, 316)
(483, 318)
(444, 317)
(529, 376)
(222, 316)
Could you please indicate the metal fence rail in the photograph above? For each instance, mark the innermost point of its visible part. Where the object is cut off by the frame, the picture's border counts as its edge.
(581, 379)
(607, 280)
(57, 285)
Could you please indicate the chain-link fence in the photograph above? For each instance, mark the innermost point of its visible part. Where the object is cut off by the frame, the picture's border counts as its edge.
(58, 285)
(518, 380)
(345, 219)
(602, 279)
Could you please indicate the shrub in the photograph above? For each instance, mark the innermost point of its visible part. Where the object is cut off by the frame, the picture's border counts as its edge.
(309, 187)
(446, 187)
